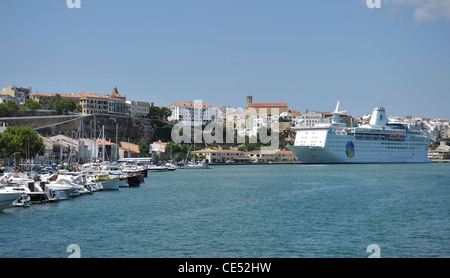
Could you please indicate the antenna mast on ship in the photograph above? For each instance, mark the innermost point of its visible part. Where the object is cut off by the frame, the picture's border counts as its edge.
(336, 119)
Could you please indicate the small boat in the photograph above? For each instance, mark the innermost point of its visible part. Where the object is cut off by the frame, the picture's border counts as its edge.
(157, 168)
(196, 165)
(8, 196)
(65, 185)
(134, 178)
(110, 184)
(171, 166)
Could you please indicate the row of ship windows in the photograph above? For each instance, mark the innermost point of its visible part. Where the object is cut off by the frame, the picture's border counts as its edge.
(372, 150)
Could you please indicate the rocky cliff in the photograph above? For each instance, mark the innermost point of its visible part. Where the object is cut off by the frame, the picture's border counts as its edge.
(133, 129)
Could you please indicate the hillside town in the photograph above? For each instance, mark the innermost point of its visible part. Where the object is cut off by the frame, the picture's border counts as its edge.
(243, 122)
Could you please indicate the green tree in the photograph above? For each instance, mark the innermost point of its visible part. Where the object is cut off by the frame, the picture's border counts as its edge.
(31, 104)
(8, 108)
(22, 140)
(79, 108)
(159, 113)
(165, 113)
(242, 148)
(63, 105)
(154, 113)
(252, 146)
(143, 149)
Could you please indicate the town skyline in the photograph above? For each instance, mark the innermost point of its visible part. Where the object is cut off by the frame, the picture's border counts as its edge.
(307, 54)
(218, 106)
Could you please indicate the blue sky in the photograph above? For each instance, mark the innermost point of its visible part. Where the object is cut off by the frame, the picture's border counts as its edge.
(307, 53)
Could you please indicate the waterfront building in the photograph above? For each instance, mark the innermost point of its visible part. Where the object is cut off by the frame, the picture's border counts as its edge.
(128, 150)
(442, 152)
(158, 147)
(257, 156)
(193, 113)
(280, 156)
(54, 151)
(227, 156)
(98, 150)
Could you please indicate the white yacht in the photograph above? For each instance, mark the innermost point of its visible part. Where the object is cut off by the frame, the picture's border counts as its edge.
(377, 142)
(8, 196)
(196, 165)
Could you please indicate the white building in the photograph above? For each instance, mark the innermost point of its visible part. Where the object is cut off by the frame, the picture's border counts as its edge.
(256, 122)
(98, 150)
(5, 98)
(138, 108)
(158, 147)
(193, 113)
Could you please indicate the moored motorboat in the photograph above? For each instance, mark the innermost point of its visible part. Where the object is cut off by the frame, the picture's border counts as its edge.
(8, 197)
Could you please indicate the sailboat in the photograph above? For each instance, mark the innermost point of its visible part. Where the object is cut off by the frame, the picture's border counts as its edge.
(194, 164)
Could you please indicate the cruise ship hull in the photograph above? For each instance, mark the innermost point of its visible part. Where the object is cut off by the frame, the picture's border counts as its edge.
(320, 155)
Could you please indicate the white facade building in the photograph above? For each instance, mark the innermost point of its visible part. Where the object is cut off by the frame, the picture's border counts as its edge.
(5, 98)
(138, 108)
(193, 113)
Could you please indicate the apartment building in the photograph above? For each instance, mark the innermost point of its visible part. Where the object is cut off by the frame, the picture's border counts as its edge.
(193, 113)
(19, 93)
(138, 108)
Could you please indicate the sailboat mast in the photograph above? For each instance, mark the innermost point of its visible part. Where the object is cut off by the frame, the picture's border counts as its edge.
(103, 143)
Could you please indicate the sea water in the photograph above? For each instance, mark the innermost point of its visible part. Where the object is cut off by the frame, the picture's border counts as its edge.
(247, 211)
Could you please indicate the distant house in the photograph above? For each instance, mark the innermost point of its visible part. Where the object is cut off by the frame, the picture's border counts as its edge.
(128, 150)
(19, 93)
(158, 147)
(5, 98)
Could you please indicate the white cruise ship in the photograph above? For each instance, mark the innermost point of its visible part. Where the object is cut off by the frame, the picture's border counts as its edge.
(377, 142)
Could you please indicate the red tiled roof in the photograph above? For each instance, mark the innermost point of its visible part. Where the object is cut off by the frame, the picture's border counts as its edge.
(100, 142)
(267, 105)
(43, 95)
(190, 104)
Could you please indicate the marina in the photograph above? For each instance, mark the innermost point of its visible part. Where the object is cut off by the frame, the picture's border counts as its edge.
(25, 188)
(241, 211)
(44, 184)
